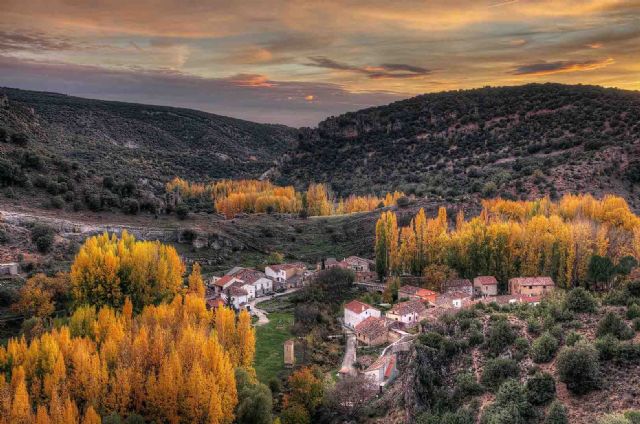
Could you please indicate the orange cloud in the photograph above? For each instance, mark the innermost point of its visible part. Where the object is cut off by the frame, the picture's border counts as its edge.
(550, 68)
(251, 80)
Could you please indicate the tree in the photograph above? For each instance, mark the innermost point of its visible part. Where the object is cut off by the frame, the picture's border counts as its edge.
(497, 370)
(557, 414)
(543, 348)
(108, 269)
(304, 389)
(42, 236)
(580, 300)
(499, 337)
(386, 243)
(541, 388)
(350, 395)
(295, 414)
(612, 324)
(579, 368)
(601, 269)
(254, 400)
(20, 406)
(195, 282)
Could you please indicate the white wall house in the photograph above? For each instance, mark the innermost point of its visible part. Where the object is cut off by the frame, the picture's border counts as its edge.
(408, 313)
(355, 312)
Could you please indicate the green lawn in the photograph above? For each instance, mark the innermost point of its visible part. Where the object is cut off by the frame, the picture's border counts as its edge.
(270, 340)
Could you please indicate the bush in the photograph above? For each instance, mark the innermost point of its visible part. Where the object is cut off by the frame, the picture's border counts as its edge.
(500, 336)
(572, 338)
(580, 300)
(608, 347)
(182, 211)
(467, 386)
(42, 236)
(541, 388)
(57, 202)
(130, 206)
(613, 324)
(579, 368)
(543, 348)
(497, 370)
(557, 414)
(633, 311)
(533, 326)
(510, 406)
(636, 324)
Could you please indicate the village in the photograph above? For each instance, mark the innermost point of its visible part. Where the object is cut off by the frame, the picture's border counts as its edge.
(386, 328)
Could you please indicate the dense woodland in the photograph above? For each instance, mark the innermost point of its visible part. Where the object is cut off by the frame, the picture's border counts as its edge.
(578, 240)
(516, 142)
(138, 342)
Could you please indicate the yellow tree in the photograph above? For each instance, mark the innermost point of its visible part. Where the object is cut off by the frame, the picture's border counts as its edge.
(196, 284)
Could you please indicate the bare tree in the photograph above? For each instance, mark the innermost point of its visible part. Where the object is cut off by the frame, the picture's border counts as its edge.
(350, 395)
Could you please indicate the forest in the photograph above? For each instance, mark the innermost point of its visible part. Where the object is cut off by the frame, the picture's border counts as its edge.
(577, 240)
(231, 197)
(122, 337)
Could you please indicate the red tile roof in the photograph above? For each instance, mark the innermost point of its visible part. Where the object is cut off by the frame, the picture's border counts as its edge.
(532, 281)
(457, 283)
(485, 280)
(220, 282)
(237, 291)
(284, 267)
(410, 307)
(390, 366)
(372, 327)
(215, 303)
(357, 307)
(409, 289)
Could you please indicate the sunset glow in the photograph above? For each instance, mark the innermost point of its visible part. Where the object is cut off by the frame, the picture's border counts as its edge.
(242, 58)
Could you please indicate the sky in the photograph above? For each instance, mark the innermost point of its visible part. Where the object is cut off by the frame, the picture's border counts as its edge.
(298, 62)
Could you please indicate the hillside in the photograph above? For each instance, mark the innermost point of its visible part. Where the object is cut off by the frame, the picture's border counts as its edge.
(74, 141)
(518, 142)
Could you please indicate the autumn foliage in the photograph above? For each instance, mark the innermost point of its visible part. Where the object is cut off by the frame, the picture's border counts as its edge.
(232, 197)
(172, 363)
(513, 238)
(107, 269)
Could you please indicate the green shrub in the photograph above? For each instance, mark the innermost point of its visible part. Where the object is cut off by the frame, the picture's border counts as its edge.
(533, 326)
(499, 337)
(543, 348)
(541, 388)
(633, 311)
(580, 300)
(579, 368)
(182, 211)
(467, 385)
(497, 370)
(612, 324)
(572, 338)
(636, 324)
(557, 414)
(511, 405)
(42, 236)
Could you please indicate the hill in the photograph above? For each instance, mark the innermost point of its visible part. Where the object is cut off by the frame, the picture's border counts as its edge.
(74, 141)
(518, 142)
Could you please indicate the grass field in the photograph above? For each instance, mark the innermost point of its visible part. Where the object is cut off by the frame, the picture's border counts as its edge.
(269, 345)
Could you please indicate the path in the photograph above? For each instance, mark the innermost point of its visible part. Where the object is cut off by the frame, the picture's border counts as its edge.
(261, 314)
(349, 355)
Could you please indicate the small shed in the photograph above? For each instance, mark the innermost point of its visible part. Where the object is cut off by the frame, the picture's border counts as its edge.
(289, 353)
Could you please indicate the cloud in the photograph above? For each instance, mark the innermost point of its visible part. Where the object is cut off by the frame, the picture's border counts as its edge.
(34, 42)
(549, 68)
(246, 96)
(386, 70)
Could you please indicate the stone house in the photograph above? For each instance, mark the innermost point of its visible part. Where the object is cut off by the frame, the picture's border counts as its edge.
(531, 286)
(372, 331)
(485, 285)
(458, 285)
(355, 312)
(408, 313)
